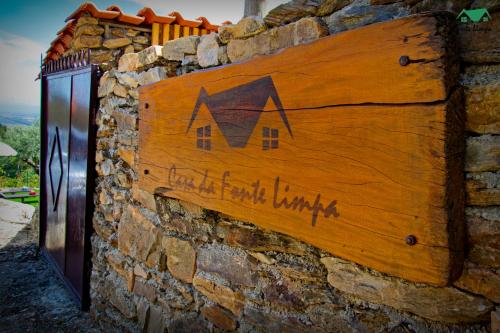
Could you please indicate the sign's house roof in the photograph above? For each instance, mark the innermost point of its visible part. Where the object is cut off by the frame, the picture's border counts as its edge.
(237, 110)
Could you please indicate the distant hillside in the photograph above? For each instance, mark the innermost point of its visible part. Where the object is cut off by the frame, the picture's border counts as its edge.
(16, 115)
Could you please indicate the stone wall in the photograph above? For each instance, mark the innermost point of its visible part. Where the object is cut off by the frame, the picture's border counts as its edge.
(107, 40)
(161, 264)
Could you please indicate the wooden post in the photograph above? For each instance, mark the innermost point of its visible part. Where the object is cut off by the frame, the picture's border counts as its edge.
(177, 31)
(155, 34)
(166, 33)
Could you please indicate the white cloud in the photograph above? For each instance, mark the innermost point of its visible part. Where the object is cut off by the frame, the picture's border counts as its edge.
(19, 66)
(216, 11)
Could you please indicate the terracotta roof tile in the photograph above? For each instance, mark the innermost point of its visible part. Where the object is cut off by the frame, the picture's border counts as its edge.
(145, 17)
(90, 8)
(125, 18)
(68, 28)
(207, 25)
(185, 23)
(151, 17)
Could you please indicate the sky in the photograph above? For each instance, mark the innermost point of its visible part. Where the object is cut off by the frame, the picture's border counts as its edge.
(28, 26)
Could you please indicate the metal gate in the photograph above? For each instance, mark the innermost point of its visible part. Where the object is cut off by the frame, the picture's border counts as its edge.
(69, 87)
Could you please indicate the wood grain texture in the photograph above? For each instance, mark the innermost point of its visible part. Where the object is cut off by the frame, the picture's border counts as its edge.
(361, 152)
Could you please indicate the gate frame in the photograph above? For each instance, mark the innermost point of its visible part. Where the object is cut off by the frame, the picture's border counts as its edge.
(71, 65)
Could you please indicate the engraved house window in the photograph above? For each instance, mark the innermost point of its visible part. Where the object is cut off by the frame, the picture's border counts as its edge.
(269, 138)
(203, 137)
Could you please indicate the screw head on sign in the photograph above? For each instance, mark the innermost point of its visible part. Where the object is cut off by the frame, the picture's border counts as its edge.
(411, 240)
(404, 60)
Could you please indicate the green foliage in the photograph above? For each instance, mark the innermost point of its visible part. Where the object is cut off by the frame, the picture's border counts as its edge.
(20, 170)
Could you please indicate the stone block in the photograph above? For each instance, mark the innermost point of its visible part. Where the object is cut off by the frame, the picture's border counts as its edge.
(132, 32)
(440, 304)
(181, 258)
(270, 41)
(233, 265)
(128, 139)
(329, 6)
(115, 43)
(191, 209)
(247, 27)
(143, 313)
(188, 322)
(240, 50)
(117, 262)
(222, 295)
(101, 56)
(106, 85)
(266, 320)
(141, 272)
(141, 40)
(128, 49)
(123, 179)
(102, 228)
(120, 91)
(221, 318)
(152, 75)
(129, 79)
(360, 13)
(480, 281)
(145, 289)
(208, 50)
(134, 93)
(120, 300)
(146, 199)
(128, 155)
(86, 20)
(222, 55)
(483, 226)
(309, 29)
(484, 255)
(482, 153)
(105, 168)
(483, 189)
(291, 12)
(495, 321)
(482, 102)
(257, 240)
(150, 55)
(128, 62)
(125, 120)
(177, 48)
(89, 29)
(138, 237)
(156, 323)
(86, 41)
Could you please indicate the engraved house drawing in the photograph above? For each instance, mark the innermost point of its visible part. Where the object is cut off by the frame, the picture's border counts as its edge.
(237, 114)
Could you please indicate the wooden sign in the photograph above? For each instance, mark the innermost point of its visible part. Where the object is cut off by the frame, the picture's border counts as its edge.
(349, 143)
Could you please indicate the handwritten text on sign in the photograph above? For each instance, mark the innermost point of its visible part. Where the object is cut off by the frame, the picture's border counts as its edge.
(256, 194)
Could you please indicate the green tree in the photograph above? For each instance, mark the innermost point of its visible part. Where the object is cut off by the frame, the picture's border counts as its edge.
(23, 167)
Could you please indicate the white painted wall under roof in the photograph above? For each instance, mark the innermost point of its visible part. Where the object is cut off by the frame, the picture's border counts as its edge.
(264, 5)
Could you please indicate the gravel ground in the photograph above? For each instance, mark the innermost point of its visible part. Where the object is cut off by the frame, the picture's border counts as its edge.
(32, 298)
